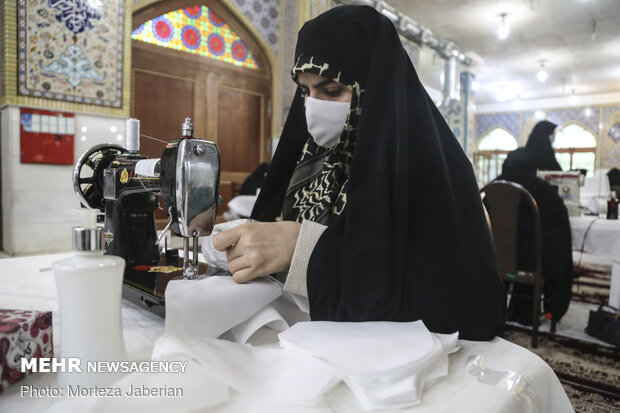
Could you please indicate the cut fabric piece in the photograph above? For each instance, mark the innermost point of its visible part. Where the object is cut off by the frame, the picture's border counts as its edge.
(385, 364)
(266, 375)
(211, 306)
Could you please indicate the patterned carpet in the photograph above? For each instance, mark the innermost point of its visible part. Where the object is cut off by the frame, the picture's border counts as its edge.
(592, 286)
(589, 372)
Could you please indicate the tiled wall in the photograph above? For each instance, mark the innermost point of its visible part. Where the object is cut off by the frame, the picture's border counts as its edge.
(599, 119)
(264, 16)
(38, 201)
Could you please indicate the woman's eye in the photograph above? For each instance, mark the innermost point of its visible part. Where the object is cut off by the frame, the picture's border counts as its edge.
(333, 92)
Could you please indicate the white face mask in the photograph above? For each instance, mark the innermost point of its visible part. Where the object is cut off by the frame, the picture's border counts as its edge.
(326, 120)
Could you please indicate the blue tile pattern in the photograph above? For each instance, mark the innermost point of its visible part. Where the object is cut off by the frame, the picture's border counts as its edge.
(508, 121)
(610, 149)
(586, 116)
(264, 16)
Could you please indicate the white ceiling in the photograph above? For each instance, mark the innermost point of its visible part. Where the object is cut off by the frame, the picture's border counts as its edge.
(559, 31)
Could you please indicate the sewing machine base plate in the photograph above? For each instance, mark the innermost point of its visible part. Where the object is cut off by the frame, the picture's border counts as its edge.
(144, 285)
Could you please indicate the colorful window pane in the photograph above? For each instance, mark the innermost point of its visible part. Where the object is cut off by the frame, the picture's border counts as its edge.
(197, 30)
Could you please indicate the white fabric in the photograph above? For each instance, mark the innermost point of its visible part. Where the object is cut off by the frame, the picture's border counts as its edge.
(202, 391)
(326, 120)
(213, 305)
(24, 286)
(603, 238)
(212, 256)
(266, 317)
(388, 368)
(268, 375)
(242, 205)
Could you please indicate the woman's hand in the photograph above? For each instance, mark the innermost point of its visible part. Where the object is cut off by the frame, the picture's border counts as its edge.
(258, 248)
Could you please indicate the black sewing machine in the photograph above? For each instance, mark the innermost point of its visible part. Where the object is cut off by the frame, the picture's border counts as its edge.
(124, 185)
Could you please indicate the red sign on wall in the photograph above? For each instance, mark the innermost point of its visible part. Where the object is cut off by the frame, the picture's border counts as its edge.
(46, 136)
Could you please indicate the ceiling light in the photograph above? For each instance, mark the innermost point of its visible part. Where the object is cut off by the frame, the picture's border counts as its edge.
(540, 115)
(475, 86)
(503, 30)
(542, 73)
(508, 91)
(587, 112)
(572, 99)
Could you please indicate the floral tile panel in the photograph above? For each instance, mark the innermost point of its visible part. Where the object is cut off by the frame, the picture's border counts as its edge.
(71, 50)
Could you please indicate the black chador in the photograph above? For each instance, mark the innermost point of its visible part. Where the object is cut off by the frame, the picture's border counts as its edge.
(406, 235)
(520, 167)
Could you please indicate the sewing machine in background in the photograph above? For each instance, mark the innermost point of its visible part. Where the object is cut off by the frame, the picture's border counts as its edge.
(124, 185)
(568, 184)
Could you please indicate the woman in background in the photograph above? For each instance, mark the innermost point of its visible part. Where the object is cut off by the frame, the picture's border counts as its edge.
(370, 205)
(557, 249)
(539, 144)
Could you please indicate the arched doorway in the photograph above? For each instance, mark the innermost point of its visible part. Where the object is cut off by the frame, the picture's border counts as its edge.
(194, 58)
(493, 147)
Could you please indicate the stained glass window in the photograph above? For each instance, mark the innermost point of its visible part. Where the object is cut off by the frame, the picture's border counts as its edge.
(197, 30)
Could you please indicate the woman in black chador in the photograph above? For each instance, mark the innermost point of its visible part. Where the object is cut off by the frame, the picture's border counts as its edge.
(520, 167)
(370, 204)
(539, 144)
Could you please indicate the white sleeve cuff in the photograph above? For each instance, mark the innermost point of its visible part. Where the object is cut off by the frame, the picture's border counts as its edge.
(309, 235)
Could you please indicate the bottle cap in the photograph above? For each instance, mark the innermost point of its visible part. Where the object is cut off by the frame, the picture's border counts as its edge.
(88, 239)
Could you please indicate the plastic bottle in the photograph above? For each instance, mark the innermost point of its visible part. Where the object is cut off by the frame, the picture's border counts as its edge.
(89, 286)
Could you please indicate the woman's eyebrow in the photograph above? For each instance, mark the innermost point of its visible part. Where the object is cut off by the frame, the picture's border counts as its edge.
(323, 83)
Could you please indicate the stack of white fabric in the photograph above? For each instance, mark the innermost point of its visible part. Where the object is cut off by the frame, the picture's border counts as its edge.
(386, 365)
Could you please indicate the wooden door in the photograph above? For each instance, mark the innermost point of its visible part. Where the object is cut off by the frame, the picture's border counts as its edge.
(227, 103)
(162, 102)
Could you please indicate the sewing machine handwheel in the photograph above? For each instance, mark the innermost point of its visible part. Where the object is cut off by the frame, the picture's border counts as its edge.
(97, 158)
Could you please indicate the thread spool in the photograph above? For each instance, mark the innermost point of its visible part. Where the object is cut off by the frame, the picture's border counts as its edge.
(132, 135)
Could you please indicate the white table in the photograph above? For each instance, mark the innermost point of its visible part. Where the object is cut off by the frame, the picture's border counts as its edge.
(601, 248)
(603, 237)
(25, 286)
